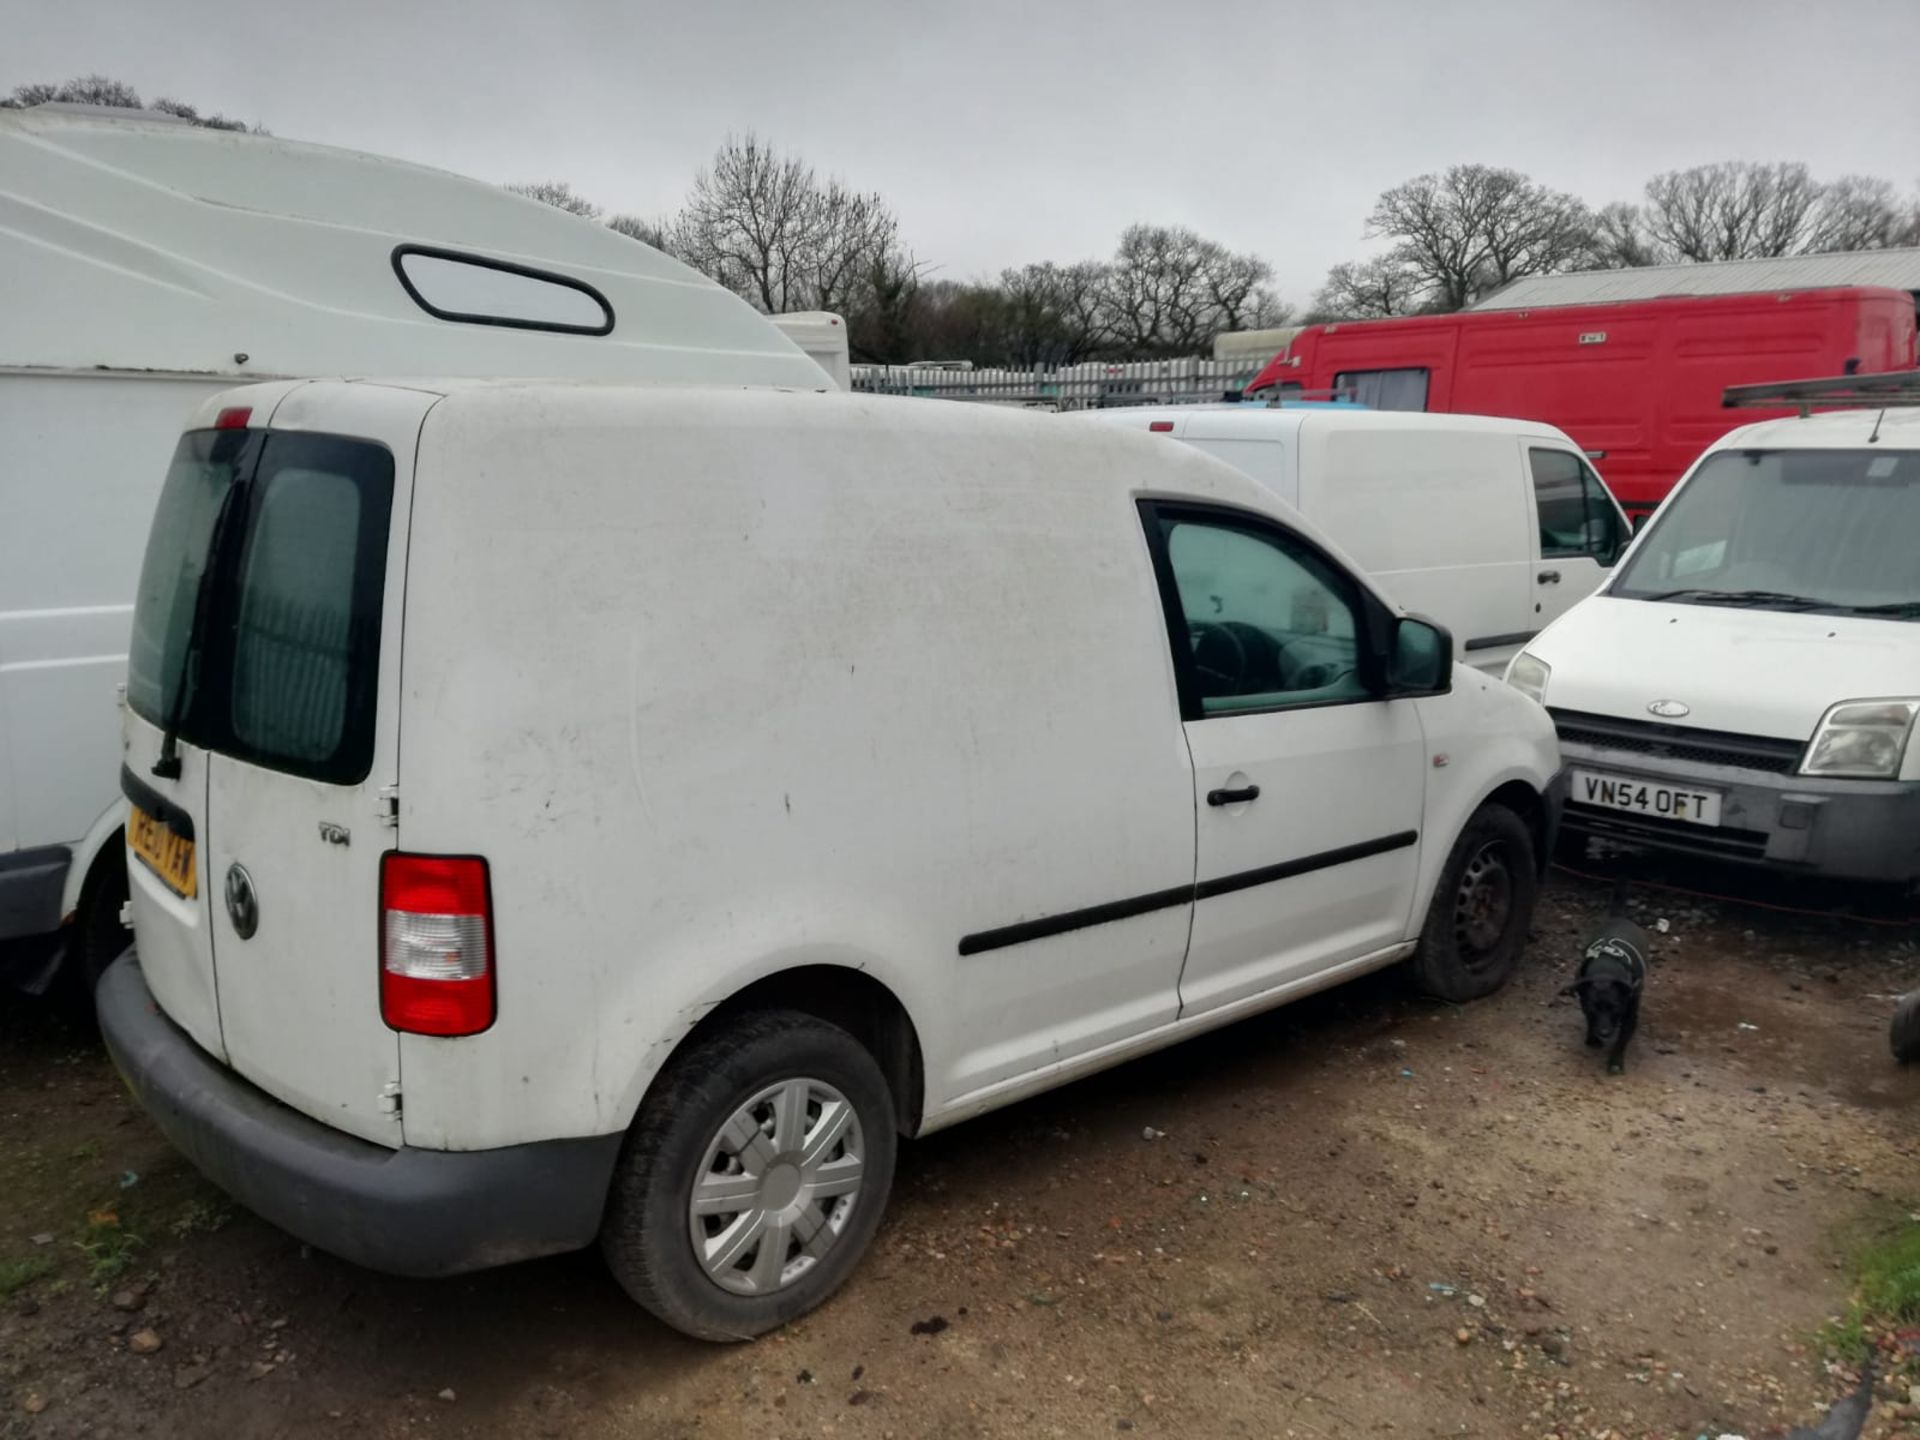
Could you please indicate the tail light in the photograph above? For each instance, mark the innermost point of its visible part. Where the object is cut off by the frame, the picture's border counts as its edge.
(436, 944)
(1161, 427)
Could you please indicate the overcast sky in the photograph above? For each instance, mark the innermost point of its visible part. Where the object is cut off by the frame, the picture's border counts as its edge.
(1011, 130)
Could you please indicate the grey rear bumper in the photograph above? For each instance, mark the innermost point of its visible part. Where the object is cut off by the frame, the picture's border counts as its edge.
(405, 1211)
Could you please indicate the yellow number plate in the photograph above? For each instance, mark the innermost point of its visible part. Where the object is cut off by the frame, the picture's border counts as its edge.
(165, 853)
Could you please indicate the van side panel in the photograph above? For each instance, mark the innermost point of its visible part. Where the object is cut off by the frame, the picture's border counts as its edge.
(1636, 384)
(1440, 518)
(722, 685)
(1597, 379)
(88, 455)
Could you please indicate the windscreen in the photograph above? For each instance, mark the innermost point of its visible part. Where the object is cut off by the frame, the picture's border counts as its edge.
(1788, 529)
(256, 628)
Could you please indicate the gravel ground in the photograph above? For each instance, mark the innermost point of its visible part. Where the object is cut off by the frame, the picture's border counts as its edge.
(1362, 1215)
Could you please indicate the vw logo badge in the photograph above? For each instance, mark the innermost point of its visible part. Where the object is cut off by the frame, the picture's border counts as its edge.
(1668, 709)
(243, 908)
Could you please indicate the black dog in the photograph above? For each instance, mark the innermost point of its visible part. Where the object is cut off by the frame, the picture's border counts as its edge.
(1613, 972)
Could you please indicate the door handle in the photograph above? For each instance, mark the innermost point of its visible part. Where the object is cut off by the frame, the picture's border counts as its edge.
(1549, 577)
(1233, 797)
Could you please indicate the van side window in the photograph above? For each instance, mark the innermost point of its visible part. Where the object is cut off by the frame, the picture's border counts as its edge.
(1577, 515)
(1383, 389)
(1266, 621)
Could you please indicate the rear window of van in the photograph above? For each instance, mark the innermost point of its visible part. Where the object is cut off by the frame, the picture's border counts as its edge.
(256, 629)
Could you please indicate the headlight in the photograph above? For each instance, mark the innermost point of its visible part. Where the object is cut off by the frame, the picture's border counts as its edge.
(1529, 675)
(1864, 739)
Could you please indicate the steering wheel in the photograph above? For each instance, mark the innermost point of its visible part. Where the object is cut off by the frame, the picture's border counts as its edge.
(1309, 666)
(1319, 676)
(1219, 656)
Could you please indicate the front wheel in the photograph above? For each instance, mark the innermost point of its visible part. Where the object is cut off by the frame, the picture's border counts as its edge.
(753, 1177)
(1477, 924)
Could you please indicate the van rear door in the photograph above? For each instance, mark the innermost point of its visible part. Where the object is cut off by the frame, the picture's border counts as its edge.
(301, 791)
(293, 721)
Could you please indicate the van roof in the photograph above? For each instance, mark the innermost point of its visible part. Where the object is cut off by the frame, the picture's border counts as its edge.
(134, 243)
(1284, 421)
(732, 410)
(1899, 429)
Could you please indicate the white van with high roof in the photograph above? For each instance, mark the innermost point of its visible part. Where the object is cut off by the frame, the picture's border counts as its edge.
(145, 264)
(565, 812)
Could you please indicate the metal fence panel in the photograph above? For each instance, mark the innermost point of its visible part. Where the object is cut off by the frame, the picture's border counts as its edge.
(1091, 386)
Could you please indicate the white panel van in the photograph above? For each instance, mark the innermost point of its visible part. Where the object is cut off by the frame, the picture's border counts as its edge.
(146, 264)
(564, 811)
(1492, 527)
(1746, 687)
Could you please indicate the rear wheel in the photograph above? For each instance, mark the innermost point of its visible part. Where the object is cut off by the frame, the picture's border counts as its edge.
(1903, 1036)
(753, 1177)
(1477, 924)
(98, 936)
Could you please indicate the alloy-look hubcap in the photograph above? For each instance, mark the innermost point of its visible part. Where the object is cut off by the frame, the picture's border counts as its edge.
(777, 1186)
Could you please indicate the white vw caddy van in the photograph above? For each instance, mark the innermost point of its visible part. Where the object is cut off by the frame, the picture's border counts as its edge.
(565, 812)
(1745, 688)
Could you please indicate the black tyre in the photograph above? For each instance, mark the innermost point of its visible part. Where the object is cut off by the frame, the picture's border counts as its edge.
(99, 938)
(1903, 1036)
(1477, 924)
(753, 1177)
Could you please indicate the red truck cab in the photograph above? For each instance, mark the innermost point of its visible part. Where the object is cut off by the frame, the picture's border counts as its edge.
(1637, 385)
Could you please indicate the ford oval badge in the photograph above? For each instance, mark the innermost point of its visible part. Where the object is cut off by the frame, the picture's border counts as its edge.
(1668, 709)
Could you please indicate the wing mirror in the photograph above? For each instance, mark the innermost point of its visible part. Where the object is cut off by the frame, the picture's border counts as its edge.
(1419, 658)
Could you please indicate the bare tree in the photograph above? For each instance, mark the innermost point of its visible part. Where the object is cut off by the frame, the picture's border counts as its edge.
(1474, 228)
(1621, 241)
(1052, 314)
(850, 233)
(1734, 210)
(1238, 289)
(647, 232)
(1169, 290)
(560, 195)
(1861, 212)
(104, 90)
(213, 121)
(1373, 289)
(887, 316)
(81, 90)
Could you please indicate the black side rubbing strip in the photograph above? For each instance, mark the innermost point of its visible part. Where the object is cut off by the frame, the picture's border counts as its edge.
(1491, 642)
(1305, 865)
(462, 257)
(156, 804)
(1026, 931)
(1048, 925)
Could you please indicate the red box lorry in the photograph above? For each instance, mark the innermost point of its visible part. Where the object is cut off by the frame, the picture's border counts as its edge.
(1637, 385)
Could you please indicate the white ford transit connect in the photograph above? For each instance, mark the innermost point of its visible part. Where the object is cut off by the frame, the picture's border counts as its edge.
(570, 811)
(1494, 528)
(1745, 688)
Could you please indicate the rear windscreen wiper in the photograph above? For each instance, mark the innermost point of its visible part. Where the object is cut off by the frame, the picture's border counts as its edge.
(1739, 597)
(167, 766)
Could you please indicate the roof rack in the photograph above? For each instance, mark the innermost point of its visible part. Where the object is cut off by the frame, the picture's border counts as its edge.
(1897, 389)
